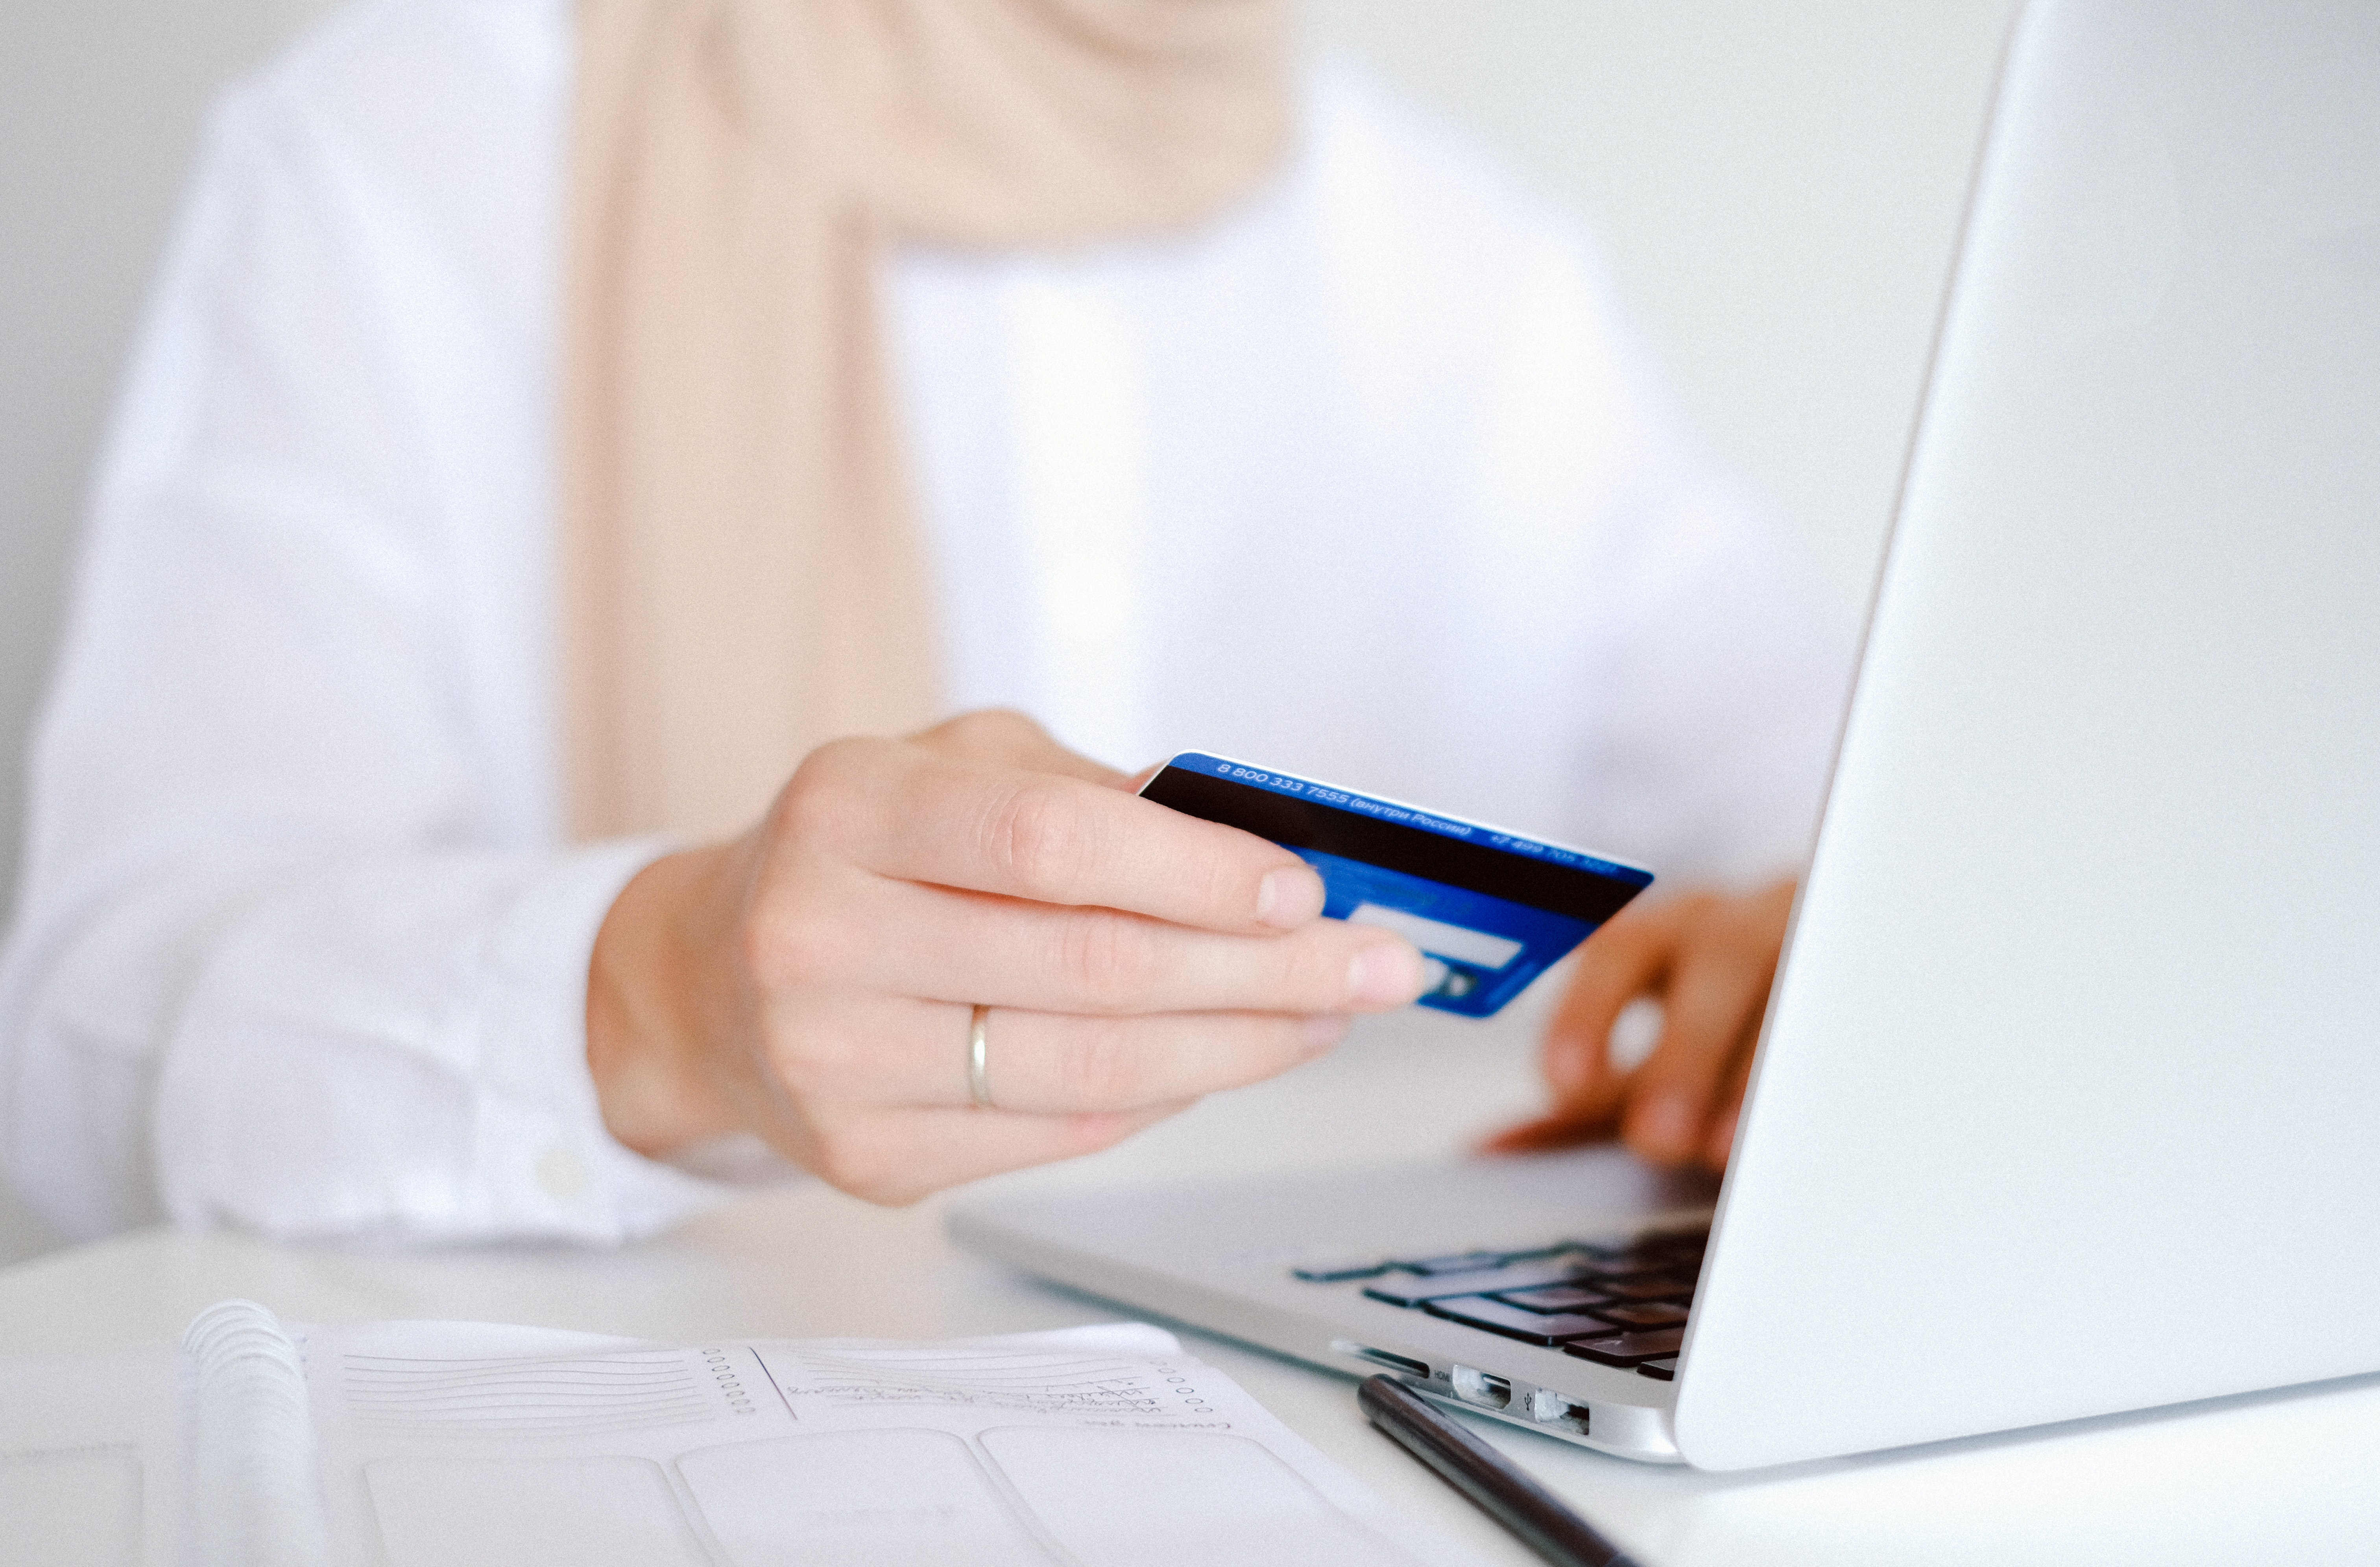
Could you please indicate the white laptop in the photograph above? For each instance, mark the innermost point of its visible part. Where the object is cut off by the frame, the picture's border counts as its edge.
(2069, 1100)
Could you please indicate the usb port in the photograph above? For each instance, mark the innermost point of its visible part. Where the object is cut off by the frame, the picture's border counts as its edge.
(1549, 1408)
(1480, 1387)
(1405, 1363)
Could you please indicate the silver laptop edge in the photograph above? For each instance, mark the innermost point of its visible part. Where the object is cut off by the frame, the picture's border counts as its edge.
(2073, 1062)
(1218, 1256)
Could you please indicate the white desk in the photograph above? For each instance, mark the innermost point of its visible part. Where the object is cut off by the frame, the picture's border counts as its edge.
(2280, 1478)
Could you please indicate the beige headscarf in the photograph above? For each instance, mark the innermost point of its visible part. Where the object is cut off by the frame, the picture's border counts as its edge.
(741, 575)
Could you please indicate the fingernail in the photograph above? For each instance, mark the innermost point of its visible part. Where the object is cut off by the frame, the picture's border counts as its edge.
(1324, 1030)
(1664, 1125)
(1385, 974)
(1287, 898)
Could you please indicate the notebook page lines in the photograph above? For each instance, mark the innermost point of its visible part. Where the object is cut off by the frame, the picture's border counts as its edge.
(1034, 1381)
(556, 1396)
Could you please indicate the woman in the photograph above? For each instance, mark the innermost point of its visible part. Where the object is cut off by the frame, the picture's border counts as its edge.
(557, 429)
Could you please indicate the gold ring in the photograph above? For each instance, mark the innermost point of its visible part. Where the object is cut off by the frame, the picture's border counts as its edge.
(979, 1086)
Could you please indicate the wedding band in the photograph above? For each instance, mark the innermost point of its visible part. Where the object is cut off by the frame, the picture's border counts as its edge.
(979, 1086)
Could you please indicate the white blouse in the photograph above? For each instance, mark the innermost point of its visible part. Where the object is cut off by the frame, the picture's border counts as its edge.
(1358, 481)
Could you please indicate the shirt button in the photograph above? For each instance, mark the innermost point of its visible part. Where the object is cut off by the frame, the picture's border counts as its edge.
(562, 1174)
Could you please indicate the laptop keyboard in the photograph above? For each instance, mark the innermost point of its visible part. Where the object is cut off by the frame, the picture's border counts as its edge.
(1621, 1306)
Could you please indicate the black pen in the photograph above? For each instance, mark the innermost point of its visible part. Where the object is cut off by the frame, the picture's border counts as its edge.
(1533, 1514)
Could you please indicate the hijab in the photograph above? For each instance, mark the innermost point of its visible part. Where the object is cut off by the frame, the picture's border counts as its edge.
(741, 572)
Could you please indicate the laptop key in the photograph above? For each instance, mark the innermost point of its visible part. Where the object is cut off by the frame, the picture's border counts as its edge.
(1522, 1276)
(1661, 1370)
(1634, 1265)
(1630, 1349)
(1557, 1298)
(1463, 1262)
(1517, 1322)
(1338, 1273)
(1642, 1312)
(1680, 1261)
(1654, 1286)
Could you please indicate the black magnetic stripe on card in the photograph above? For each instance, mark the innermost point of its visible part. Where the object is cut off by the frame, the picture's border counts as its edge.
(1433, 856)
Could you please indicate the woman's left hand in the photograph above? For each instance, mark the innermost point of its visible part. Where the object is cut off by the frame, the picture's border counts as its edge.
(1707, 959)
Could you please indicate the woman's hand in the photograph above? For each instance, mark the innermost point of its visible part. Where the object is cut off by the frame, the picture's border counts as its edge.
(813, 980)
(1707, 959)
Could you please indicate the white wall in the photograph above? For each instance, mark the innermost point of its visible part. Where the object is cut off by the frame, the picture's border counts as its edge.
(99, 101)
(99, 105)
(1774, 188)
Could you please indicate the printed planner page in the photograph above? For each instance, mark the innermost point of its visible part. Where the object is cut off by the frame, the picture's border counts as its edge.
(89, 1460)
(463, 1445)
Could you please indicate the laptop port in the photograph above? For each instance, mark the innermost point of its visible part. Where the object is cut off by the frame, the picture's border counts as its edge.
(1477, 1387)
(1547, 1407)
(1405, 1363)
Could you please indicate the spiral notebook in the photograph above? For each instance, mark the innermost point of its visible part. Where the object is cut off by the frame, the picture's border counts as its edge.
(474, 1445)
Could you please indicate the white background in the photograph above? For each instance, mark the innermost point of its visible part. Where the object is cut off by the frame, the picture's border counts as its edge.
(1775, 190)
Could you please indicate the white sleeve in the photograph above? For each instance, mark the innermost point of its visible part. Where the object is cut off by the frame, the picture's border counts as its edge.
(288, 954)
(1708, 676)
(1723, 681)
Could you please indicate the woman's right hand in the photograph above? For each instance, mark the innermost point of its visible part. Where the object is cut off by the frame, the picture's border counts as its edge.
(813, 981)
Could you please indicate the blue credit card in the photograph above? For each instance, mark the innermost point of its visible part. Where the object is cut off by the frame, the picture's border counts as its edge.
(1491, 910)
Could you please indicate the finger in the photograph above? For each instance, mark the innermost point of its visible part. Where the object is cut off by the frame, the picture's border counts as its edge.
(1001, 737)
(1099, 963)
(1558, 1131)
(1717, 990)
(1761, 921)
(1627, 958)
(895, 939)
(909, 813)
(1045, 1064)
(899, 1156)
(1719, 1143)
